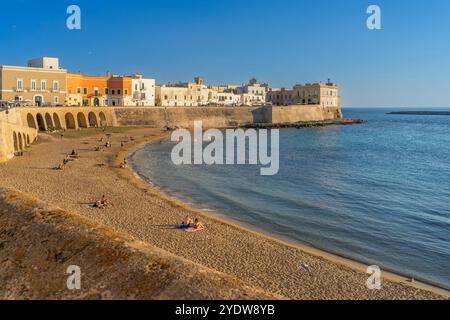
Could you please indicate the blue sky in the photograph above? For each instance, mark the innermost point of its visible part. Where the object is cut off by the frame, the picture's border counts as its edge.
(283, 42)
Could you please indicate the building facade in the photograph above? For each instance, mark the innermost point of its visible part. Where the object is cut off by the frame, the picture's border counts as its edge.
(142, 91)
(189, 94)
(86, 90)
(42, 83)
(326, 95)
(253, 93)
(119, 91)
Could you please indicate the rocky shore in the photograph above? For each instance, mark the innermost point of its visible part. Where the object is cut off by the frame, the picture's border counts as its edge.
(305, 124)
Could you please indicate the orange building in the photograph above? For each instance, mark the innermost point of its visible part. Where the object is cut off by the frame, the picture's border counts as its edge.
(120, 91)
(86, 90)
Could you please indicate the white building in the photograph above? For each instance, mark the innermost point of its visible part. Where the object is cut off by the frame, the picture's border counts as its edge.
(229, 99)
(142, 91)
(44, 63)
(253, 93)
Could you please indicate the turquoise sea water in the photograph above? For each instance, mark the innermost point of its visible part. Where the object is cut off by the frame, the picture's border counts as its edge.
(378, 193)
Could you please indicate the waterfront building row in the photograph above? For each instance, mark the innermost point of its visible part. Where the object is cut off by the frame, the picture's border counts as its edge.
(43, 83)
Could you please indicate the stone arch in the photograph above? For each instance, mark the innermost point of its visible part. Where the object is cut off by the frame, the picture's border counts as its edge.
(16, 143)
(92, 119)
(31, 122)
(40, 122)
(102, 117)
(81, 119)
(19, 135)
(48, 120)
(70, 121)
(56, 121)
(28, 140)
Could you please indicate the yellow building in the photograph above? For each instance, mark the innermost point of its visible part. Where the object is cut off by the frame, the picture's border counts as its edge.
(42, 83)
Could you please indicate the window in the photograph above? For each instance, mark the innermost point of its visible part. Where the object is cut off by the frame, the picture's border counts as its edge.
(106, 91)
(56, 100)
(136, 87)
(79, 90)
(84, 90)
(118, 91)
(96, 92)
(126, 91)
(33, 85)
(19, 84)
(43, 85)
(113, 91)
(55, 85)
(142, 86)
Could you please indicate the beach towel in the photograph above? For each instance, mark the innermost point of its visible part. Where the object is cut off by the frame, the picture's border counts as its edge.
(191, 229)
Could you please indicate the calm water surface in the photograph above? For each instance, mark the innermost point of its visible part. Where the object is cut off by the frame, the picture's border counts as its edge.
(378, 193)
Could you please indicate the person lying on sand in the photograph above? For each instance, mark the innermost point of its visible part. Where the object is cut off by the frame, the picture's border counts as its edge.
(74, 153)
(187, 222)
(60, 167)
(102, 203)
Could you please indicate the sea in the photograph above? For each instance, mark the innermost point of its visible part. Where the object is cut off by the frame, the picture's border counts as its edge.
(377, 193)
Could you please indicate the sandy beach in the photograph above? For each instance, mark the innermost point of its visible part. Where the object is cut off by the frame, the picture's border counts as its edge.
(147, 215)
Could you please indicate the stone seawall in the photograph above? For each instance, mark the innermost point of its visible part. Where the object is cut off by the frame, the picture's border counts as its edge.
(185, 116)
(220, 116)
(19, 126)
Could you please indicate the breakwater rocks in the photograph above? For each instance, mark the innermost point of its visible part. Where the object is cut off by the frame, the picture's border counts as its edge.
(421, 113)
(305, 124)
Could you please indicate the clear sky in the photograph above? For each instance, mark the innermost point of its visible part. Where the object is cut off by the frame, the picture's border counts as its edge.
(282, 42)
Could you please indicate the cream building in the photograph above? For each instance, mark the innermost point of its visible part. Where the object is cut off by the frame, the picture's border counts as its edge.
(190, 94)
(326, 95)
(229, 99)
(253, 93)
(42, 83)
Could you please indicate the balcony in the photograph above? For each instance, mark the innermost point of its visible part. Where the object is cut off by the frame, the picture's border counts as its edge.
(19, 90)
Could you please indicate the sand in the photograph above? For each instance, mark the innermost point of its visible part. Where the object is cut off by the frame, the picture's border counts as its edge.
(145, 214)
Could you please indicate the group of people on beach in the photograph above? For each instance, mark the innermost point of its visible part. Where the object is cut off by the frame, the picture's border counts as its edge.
(70, 157)
(188, 223)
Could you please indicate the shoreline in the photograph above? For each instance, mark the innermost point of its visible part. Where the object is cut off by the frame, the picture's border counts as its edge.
(350, 262)
(146, 214)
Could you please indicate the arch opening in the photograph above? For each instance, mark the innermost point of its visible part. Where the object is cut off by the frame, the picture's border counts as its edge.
(92, 119)
(56, 121)
(40, 122)
(49, 121)
(102, 118)
(81, 118)
(70, 121)
(31, 122)
(16, 144)
(20, 141)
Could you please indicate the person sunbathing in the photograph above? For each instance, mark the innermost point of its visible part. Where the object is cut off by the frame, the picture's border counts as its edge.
(102, 203)
(187, 222)
(61, 167)
(74, 153)
(197, 225)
